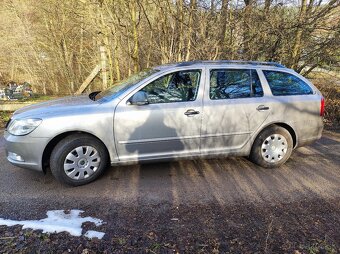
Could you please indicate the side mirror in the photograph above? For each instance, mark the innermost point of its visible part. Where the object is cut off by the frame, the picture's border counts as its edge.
(140, 98)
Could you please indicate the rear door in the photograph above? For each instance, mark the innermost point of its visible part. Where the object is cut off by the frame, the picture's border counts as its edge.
(294, 102)
(234, 107)
(169, 126)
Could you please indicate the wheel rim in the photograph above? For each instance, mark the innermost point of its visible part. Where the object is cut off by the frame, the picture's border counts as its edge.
(81, 162)
(274, 148)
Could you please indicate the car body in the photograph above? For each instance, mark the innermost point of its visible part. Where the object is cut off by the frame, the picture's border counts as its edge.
(173, 111)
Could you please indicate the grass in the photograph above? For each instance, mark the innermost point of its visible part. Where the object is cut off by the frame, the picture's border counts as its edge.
(320, 246)
(4, 117)
(329, 85)
(34, 98)
(39, 97)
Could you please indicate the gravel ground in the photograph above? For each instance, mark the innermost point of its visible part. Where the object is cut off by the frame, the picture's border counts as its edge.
(202, 206)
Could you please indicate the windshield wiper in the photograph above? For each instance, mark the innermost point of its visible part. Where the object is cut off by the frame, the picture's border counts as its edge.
(92, 95)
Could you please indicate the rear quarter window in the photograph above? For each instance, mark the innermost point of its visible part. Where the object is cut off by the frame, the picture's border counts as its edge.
(282, 83)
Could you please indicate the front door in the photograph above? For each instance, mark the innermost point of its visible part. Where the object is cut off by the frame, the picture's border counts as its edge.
(168, 126)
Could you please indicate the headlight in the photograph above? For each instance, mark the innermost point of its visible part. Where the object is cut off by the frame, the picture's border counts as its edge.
(22, 127)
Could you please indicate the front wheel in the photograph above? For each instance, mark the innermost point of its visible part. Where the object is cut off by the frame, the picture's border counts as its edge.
(272, 147)
(78, 159)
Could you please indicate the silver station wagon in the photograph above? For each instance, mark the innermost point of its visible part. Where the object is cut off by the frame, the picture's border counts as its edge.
(183, 110)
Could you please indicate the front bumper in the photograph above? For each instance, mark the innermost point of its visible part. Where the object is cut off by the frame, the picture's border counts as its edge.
(30, 149)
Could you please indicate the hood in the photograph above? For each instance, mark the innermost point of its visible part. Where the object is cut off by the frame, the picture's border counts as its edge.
(65, 104)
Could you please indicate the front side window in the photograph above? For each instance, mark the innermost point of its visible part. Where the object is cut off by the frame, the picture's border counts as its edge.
(125, 84)
(234, 83)
(174, 87)
(282, 83)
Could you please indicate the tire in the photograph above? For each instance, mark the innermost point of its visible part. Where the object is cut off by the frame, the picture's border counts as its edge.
(272, 147)
(78, 159)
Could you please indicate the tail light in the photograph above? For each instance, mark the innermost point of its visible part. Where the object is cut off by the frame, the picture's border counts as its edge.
(322, 106)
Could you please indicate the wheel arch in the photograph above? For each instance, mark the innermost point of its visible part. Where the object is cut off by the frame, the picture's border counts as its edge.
(286, 126)
(54, 141)
(291, 131)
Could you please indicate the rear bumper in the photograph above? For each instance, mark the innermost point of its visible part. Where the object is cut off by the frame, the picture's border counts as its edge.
(309, 134)
(28, 148)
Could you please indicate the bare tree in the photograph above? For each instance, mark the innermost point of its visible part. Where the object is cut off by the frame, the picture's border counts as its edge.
(55, 44)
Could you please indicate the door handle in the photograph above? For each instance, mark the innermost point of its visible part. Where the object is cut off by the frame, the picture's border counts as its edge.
(191, 112)
(262, 108)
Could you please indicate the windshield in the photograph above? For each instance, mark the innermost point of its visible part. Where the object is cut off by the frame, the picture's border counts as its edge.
(122, 85)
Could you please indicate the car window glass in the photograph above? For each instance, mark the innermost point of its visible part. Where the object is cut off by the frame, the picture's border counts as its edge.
(234, 83)
(125, 84)
(174, 87)
(282, 83)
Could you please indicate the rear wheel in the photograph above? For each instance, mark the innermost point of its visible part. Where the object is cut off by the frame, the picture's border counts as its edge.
(78, 159)
(272, 147)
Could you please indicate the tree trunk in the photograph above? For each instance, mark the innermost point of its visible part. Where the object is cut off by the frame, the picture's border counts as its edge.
(246, 29)
(223, 32)
(193, 5)
(296, 50)
(115, 57)
(135, 53)
(180, 20)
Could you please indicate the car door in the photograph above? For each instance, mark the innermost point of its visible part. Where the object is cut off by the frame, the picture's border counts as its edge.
(168, 126)
(234, 108)
(294, 102)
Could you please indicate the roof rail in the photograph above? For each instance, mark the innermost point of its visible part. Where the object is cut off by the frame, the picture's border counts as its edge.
(232, 62)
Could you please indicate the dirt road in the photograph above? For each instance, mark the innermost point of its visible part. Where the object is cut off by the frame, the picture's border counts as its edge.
(213, 202)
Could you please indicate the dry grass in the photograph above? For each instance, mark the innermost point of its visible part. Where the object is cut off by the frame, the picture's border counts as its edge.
(4, 117)
(329, 85)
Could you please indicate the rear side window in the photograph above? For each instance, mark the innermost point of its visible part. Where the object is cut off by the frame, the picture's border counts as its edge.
(282, 83)
(234, 83)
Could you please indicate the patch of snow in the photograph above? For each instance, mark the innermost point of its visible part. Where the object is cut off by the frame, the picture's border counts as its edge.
(58, 221)
(92, 234)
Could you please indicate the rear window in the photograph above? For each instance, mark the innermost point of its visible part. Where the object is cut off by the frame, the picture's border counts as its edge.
(282, 83)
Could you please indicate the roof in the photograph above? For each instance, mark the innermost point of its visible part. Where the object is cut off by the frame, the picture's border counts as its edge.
(220, 62)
